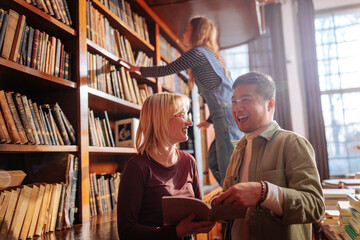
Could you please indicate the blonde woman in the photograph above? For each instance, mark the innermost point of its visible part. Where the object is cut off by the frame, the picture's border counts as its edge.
(159, 169)
(214, 84)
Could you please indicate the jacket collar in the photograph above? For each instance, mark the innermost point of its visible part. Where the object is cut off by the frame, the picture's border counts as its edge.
(266, 134)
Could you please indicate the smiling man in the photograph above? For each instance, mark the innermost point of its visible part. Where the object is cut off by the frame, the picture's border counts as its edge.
(272, 171)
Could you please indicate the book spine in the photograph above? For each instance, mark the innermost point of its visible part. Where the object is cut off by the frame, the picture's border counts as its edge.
(55, 9)
(3, 30)
(37, 127)
(46, 127)
(69, 128)
(35, 48)
(67, 12)
(29, 47)
(4, 132)
(73, 208)
(9, 120)
(60, 124)
(109, 129)
(30, 119)
(15, 115)
(41, 124)
(60, 214)
(10, 33)
(24, 118)
(17, 38)
(23, 54)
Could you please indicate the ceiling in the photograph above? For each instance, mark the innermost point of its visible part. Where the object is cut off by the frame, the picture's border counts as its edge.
(236, 20)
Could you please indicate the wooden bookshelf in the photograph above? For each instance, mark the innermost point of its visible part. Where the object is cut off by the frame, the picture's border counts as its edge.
(75, 96)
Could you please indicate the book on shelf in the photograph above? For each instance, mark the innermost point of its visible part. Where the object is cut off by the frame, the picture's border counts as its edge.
(30, 212)
(5, 137)
(60, 214)
(176, 208)
(103, 192)
(20, 211)
(9, 120)
(14, 53)
(10, 33)
(24, 118)
(3, 28)
(7, 220)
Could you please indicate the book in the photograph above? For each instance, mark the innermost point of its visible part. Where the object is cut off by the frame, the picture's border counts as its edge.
(4, 24)
(7, 221)
(55, 200)
(37, 208)
(9, 120)
(5, 137)
(16, 117)
(175, 208)
(29, 46)
(29, 212)
(43, 214)
(60, 123)
(17, 38)
(10, 33)
(37, 127)
(60, 213)
(35, 48)
(5, 196)
(41, 124)
(24, 118)
(20, 211)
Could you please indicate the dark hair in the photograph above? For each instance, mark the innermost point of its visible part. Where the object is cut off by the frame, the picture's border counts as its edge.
(265, 86)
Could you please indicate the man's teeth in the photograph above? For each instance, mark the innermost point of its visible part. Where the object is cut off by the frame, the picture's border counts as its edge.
(242, 117)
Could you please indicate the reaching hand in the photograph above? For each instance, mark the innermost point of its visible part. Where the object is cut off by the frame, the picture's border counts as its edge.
(131, 68)
(246, 194)
(187, 226)
(203, 125)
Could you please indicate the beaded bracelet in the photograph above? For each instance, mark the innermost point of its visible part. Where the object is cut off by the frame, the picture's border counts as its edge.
(264, 192)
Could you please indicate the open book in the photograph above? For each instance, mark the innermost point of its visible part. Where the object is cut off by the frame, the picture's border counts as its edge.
(175, 208)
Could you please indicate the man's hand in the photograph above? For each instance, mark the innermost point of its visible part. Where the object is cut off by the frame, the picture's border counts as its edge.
(203, 125)
(187, 226)
(246, 194)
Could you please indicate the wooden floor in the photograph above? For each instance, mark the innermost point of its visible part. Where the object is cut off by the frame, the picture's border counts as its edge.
(100, 227)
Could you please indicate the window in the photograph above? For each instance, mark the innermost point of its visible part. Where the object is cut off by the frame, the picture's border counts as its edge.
(338, 57)
(236, 60)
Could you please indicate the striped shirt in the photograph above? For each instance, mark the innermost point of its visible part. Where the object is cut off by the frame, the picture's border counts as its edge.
(193, 59)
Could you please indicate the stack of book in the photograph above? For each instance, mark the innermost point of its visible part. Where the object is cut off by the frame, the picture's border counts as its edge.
(23, 121)
(57, 8)
(122, 9)
(332, 196)
(344, 214)
(115, 81)
(103, 192)
(103, 34)
(143, 60)
(31, 47)
(352, 229)
(33, 210)
(100, 133)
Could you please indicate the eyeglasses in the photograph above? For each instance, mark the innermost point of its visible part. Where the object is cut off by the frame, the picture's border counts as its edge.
(185, 116)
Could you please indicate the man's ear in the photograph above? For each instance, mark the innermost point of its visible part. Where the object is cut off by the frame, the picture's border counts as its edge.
(271, 103)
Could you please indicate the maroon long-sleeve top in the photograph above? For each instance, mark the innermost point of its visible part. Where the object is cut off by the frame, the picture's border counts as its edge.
(143, 183)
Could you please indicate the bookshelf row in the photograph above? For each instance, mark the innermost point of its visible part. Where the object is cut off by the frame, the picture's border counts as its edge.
(32, 210)
(81, 67)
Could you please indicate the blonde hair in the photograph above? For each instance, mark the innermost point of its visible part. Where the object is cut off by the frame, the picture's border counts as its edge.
(204, 34)
(156, 112)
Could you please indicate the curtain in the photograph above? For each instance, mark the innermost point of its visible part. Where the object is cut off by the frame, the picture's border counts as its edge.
(305, 18)
(267, 55)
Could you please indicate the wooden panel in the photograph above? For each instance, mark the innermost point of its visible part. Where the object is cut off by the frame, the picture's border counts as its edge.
(236, 20)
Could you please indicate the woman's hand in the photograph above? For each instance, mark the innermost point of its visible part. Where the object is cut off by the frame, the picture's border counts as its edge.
(203, 125)
(187, 226)
(129, 66)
